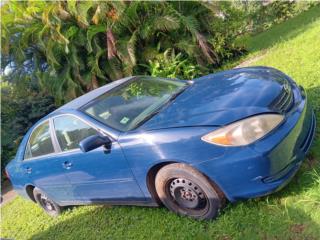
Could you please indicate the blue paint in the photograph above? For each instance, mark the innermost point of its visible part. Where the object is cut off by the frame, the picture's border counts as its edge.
(174, 135)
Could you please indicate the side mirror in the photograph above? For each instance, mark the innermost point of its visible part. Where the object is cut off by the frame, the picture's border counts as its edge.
(94, 142)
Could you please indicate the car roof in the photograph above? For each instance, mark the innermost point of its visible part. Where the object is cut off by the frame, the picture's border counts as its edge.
(88, 97)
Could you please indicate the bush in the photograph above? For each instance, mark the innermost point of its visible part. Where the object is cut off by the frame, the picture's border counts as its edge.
(20, 110)
(173, 65)
(262, 15)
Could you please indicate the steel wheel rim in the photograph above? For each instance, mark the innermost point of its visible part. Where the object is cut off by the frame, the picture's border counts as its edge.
(46, 203)
(187, 195)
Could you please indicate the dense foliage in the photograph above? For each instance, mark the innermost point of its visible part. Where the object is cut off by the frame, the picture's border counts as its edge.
(261, 16)
(21, 108)
(173, 65)
(75, 46)
(71, 47)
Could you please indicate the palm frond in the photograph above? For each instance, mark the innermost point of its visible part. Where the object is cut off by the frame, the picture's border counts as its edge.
(129, 19)
(82, 13)
(113, 68)
(206, 48)
(97, 15)
(213, 6)
(186, 46)
(165, 23)
(158, 23)
(111, 44)
(91, 32)
(131, 46)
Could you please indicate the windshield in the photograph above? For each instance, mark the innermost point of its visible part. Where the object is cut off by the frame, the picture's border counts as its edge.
(130, 104)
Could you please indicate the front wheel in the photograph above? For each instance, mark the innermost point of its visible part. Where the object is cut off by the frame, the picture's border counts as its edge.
(48, 205)
(185, 191)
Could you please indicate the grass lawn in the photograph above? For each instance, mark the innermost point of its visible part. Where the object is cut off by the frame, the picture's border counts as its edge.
(293, 213)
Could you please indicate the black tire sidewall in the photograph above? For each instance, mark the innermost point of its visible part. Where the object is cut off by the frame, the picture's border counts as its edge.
(179, 170)
(37, 195)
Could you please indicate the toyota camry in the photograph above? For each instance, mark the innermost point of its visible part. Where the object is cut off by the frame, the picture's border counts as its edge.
(189, 145)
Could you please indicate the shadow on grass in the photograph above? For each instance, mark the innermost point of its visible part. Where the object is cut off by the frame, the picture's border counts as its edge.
(283, 31)
(249, 222)
(314, 96)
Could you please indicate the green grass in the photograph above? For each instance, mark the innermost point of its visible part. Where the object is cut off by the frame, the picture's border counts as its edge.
(284, 31)
(293, 213)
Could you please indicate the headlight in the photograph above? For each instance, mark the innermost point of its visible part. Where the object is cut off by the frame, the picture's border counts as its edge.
(244, 131)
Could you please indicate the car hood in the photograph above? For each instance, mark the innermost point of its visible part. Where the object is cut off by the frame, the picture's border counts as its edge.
(222, 98)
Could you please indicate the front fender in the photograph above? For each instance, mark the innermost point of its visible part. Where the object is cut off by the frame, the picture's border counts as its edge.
(143, 150)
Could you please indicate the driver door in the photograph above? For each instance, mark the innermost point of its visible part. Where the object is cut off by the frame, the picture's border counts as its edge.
(96, 176)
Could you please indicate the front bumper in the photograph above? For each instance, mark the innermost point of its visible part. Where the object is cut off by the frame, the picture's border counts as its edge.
(269, 164)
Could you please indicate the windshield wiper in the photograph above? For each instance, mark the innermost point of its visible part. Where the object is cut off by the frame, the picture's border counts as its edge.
(172, 97)
(147, 117)
(176, 94)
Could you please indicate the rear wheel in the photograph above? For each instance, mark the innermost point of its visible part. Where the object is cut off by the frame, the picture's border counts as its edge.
(185, 191)
(48, 205)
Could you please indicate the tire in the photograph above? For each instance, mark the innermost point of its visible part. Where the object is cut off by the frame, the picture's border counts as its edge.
(187, 192)
(48, 205)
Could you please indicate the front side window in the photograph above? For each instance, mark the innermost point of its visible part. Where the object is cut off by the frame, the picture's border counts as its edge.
(70, 131)
(40, 142)
(130, 104)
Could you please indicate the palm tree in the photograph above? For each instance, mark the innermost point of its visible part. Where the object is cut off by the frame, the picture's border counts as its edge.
(74, 46)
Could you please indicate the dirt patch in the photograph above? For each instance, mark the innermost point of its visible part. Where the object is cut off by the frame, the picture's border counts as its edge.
(7, 192)
(297, 228)
(251, 60)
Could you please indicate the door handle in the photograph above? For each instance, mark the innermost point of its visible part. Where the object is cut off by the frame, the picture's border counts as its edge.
(28, 170)
(67, 165)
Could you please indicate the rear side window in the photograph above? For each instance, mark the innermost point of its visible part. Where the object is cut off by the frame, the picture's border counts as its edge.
(70, 131)
(40, 142)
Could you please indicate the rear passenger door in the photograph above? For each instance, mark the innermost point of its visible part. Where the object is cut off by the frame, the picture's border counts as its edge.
(42, 167)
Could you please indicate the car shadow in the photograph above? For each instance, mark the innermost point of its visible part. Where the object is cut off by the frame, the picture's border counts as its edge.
(314, 96)
(151, 223)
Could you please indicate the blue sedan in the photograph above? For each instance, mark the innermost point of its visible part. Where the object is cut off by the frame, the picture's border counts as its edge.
(190, 145)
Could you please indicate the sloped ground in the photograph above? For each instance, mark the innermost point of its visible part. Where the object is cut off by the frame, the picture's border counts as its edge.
(293, 213)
